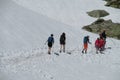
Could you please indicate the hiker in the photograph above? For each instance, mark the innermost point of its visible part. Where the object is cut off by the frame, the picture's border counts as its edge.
(97, 44)
(103, 36)
(50, 43)
(62, 42)
(85, 41)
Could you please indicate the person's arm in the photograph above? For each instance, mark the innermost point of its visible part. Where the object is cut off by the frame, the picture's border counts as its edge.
(53, 41)
(89, 41)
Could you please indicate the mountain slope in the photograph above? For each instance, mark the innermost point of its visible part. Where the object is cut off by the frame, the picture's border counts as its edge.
(72, 12)
(23, 28)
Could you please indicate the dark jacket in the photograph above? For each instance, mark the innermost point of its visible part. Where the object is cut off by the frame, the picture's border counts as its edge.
(62, 39)
(86, 39)
(104, 35)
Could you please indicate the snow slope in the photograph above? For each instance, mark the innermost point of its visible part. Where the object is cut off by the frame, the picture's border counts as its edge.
(72, 12)
(23, 55)
(22, 28)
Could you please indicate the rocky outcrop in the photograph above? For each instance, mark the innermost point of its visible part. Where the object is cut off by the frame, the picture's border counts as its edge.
(112, 29)
(113, 3)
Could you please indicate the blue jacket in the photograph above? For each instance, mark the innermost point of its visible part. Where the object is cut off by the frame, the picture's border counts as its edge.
(50, 39)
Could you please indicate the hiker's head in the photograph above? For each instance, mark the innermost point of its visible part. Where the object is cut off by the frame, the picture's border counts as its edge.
(51, 34)
(98, 38)
(87, 36)
(103, 30)
(63, 33)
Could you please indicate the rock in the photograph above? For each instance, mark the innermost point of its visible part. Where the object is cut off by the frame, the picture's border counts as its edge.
(113, 3)
(112, 29)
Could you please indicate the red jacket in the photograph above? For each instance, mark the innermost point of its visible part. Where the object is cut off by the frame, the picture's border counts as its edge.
(102, 42)
(97, 43)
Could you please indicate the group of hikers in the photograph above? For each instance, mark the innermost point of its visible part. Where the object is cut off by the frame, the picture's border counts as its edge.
(99, 42)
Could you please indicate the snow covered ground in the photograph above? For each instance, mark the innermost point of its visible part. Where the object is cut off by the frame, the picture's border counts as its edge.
(25, 26)
(72, 12)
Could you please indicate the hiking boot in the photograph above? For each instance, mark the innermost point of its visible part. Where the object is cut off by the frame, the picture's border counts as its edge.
(49, 53)
(101, 52)
(82, 51)
(85, 52)
(64, 51)
(96, 52)
(60, 51)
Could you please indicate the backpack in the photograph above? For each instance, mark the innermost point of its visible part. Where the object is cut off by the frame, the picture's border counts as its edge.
(62, 38)
(85, 40)
(50, 39)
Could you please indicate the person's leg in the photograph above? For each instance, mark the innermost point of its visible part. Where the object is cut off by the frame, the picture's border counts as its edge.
(100, 49)
(104, 43)
(86, 46)
(96, 49)
(49, 50)
(83, 49)
(64, 48)
(60, 48)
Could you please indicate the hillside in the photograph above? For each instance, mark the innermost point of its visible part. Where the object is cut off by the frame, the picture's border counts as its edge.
(25, 26)
(22, 28)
